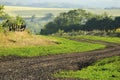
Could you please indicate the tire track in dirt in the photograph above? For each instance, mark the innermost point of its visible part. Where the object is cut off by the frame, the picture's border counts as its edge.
(41, 68)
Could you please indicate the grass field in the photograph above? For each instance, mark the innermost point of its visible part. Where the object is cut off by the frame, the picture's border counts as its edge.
(40, 12)
(107, 39)
(23, 44)
(106, 69)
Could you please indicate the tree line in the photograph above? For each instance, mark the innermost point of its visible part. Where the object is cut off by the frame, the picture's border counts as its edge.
(10, 23)
(81, 20)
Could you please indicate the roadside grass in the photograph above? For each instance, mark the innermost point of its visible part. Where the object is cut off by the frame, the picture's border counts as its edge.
(107, 39)
(106, 69)
(25, 45)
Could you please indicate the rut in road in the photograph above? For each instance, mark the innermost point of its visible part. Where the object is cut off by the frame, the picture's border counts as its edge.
(41, 68)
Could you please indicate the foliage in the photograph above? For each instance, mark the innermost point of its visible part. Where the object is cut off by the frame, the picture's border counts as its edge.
(1, 11)
(81, 20)
(62, 46)
(48, 16)
(106, 69)
(32, 18)
(11, 23)
(27, 12)
(67, 21)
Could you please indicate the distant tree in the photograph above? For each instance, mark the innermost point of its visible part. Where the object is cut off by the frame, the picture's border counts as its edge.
(1, 11)
(50, 28)
(48, 16)
(33, 18)
(99, 22)
(14, 24)
(3, 15)
(116, 23)
(68, 21)
(76, 20)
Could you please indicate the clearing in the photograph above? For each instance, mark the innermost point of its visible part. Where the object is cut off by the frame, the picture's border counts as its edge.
(43, 68)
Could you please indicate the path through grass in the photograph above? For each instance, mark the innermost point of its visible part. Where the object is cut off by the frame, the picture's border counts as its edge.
(61, 46)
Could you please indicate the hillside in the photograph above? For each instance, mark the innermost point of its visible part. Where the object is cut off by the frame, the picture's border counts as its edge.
(22, 39)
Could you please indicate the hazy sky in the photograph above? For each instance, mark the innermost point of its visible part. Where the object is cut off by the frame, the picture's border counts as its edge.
(97, 3)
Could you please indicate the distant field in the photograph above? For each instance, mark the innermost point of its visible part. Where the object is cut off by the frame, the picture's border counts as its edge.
(29, 11)
(112, 12)
(40, 12)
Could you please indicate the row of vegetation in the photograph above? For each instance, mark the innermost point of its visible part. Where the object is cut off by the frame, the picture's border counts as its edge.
(106, 69)
(76, 20)
(107, 39)
(9, 23)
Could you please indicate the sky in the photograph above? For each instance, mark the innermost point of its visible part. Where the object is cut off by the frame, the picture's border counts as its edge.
(93, 3)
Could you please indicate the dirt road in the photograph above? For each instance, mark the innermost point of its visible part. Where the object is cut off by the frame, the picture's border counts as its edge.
(41, 68)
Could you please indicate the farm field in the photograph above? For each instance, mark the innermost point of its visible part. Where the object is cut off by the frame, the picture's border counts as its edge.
(41, 12)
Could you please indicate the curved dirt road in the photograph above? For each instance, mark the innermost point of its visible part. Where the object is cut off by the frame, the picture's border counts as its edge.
(41, 68)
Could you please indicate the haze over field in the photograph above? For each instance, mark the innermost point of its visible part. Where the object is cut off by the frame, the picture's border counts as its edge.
(64, 3)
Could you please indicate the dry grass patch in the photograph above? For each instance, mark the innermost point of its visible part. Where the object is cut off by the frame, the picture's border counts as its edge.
(20, 39)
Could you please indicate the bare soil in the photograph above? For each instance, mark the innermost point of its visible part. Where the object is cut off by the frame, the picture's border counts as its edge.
(42, 68)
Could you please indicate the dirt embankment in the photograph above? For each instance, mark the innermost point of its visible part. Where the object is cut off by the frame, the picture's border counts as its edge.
(41, 68)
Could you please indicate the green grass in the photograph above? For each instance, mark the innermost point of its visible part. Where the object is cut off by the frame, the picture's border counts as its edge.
(63, 46)
(106, 69)
(107, 39)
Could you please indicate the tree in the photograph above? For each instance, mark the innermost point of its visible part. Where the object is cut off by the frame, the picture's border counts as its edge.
(50, 28)
(99, 22)
(68, 21)
(33, 18)
(48, 16)
(14, 24)
(3, 15)
(1, 11)
(117, 23)
(76, 20)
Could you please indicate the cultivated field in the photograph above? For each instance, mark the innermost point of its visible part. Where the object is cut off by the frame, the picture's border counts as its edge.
(40, 12)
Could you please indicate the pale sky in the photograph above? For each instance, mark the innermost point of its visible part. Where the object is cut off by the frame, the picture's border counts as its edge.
(96, 3)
